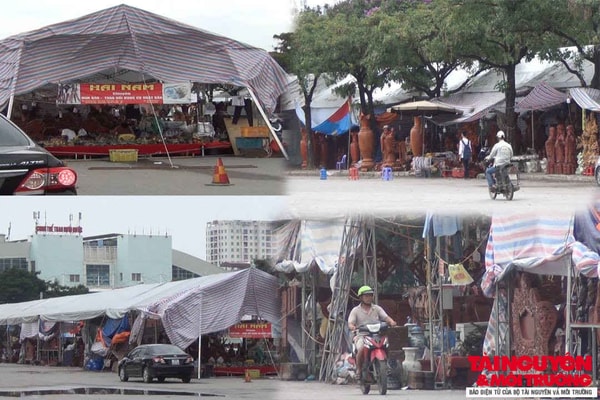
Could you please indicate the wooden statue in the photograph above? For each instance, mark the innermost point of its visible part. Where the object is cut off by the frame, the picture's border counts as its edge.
(304, 147)
(388, 146)
(533, 320)
(354, 150)
(570, 150)
(401, 153)
(324, 150)
(365, 143)
(559, 149)
(550, 150)
(315, 149)
(416, 137)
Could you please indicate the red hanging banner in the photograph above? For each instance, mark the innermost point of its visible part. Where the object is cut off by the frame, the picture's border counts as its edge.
(124, 93)
(121, 93)
(251, 330)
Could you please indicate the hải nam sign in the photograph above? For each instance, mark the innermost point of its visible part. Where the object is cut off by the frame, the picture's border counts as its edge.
(124, 93)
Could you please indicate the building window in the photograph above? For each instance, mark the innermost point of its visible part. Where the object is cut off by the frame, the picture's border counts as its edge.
(9, 263)
(136, 277)
(97, 275)
(121, 276)
(74, 278)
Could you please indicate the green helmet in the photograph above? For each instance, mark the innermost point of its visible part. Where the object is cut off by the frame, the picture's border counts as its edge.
(365, 290)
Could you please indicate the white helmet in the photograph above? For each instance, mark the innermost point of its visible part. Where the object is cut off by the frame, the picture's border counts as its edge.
(500, 135)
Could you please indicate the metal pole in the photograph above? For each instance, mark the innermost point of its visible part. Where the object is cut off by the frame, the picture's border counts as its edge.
(200, 340)
(568, 310)
(264, 115)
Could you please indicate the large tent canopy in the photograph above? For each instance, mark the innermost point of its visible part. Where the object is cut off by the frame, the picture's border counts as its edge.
(124, 44)
(219, 301)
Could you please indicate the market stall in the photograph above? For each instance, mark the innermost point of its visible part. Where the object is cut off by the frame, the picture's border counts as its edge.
(53, 76)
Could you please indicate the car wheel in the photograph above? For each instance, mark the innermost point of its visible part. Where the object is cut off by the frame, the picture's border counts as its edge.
(161, 379)
(123, 375)
(146, 375)
(186, 379)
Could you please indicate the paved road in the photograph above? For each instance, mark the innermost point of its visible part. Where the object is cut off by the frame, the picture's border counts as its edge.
(308, 196)
(180, 176)
(48, 382)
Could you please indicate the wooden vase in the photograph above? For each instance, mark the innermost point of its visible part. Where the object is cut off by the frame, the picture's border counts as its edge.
(416, 137)
(365, 143)
(304, 148)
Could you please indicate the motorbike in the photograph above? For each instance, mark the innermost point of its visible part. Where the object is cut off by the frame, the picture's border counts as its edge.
(375, 359)
(507, 181)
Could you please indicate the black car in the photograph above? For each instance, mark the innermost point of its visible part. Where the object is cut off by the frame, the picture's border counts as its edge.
(26, 168)
(160, 361)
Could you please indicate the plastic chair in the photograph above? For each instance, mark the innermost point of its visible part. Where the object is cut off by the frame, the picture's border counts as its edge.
(341, 164)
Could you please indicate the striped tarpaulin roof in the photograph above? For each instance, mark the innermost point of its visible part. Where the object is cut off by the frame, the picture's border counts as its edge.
(586, 98)
(542, 96)
(538, 244)
(215, 306)
(535, 244)
(124, 38)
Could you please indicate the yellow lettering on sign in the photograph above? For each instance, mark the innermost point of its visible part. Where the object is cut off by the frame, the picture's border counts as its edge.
(101, 88)
(137, 86)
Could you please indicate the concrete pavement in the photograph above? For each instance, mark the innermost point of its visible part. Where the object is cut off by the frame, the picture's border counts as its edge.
(44, 382)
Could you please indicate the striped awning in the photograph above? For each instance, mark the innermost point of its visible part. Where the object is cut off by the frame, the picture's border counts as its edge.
(115, 41)
(541, 97)
(586, 98)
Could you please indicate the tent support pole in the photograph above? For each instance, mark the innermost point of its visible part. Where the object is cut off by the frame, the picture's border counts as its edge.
(264, 115)
(200, 341)
(532, 132)
(11, 102)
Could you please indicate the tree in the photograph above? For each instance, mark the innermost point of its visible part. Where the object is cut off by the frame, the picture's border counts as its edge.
(54, 289)
(18, 285)
(499, 34)
(579, 26)
(307, 59)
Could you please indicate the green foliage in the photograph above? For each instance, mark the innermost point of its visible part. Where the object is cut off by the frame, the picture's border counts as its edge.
(54, 289)
(18, 285)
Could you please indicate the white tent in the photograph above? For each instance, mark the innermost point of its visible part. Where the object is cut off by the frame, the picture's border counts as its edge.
(219, 300)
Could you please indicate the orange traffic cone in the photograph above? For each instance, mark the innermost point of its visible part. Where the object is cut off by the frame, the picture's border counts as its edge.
(220, 177)
(247, 377)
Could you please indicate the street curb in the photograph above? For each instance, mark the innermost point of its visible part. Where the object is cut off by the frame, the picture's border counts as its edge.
(534, 176)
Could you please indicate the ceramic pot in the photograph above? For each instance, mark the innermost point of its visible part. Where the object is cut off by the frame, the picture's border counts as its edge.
(410, 362)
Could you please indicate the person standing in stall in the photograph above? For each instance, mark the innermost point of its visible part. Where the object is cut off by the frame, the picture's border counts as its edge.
(465, 152)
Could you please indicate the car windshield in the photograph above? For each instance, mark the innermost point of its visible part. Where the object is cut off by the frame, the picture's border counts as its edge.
(10, 135)
(165, 349)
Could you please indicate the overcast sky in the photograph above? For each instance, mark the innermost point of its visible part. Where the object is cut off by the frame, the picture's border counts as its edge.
(250, 21)
(182, 217)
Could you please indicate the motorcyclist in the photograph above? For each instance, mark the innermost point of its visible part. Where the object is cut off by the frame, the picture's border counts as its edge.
(502, 152)
(365, 313)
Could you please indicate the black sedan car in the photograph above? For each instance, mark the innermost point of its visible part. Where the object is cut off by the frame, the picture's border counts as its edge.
(26, 168)
(159, 361)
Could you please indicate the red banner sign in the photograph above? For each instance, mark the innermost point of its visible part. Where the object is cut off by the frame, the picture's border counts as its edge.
(58, 229)
(124, 93)
(250, 330)
(121, 93)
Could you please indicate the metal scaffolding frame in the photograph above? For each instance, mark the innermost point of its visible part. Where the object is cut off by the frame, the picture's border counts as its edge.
(357, 232)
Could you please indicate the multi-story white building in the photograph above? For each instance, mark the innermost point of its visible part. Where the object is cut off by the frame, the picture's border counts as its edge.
(235, 244)
(104, 261)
